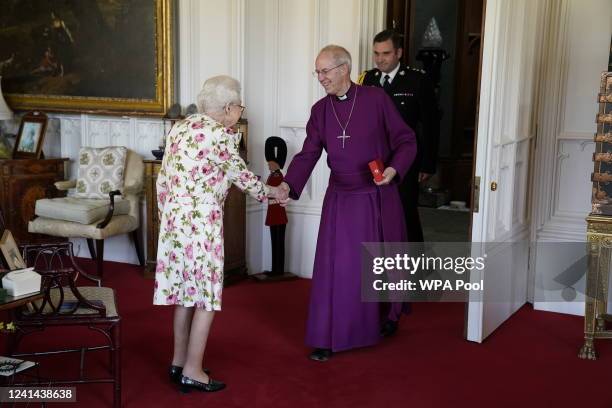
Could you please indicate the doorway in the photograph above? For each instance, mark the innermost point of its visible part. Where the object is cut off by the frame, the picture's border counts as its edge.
(452, 31)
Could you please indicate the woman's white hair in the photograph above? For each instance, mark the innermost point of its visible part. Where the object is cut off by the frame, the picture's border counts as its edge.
(217, 92)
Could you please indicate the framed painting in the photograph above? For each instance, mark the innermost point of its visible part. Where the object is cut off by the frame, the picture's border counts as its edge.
(92, 56)
(10, 251)
(29, 141)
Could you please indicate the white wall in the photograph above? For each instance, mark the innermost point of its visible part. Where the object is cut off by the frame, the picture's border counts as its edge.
(574, 57)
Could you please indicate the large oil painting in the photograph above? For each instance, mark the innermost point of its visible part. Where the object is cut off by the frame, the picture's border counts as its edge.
(99, 56)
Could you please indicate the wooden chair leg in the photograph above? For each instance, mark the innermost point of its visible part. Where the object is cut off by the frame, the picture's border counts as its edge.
(90, 245)
(136, 241)
(100, 257)
(116, 338)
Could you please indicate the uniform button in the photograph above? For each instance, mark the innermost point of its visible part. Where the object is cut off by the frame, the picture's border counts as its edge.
(402, 103)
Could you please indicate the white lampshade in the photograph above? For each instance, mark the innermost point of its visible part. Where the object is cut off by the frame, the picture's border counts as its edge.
(5, 112)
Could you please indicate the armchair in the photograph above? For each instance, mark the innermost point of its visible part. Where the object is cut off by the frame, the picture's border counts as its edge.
(95, 219)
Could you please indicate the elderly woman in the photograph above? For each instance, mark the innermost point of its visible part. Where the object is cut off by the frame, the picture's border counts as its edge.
(200, 164)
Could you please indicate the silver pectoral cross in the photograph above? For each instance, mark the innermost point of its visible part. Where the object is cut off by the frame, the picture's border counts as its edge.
(344, 136)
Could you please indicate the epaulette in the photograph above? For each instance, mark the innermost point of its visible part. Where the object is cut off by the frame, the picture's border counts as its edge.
(416, 69)
(361, 77)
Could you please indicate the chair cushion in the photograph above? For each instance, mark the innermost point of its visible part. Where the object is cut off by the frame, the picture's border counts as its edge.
(81, 210)
(120, 224)
(94, 294)
(101, 170)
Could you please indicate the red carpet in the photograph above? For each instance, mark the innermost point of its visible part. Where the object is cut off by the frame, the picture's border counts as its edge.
(256, 346)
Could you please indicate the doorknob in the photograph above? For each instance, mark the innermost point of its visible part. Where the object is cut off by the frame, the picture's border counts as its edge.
(493, 186)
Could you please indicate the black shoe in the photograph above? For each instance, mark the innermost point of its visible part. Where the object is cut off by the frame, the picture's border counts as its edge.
(388, 329)
(176, 373)
(187, 384)
(320, 354)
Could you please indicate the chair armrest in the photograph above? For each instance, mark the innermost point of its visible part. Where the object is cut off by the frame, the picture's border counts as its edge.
(65, 185)
(111, 209)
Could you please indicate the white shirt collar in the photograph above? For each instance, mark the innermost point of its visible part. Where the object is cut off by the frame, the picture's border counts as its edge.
(391, 74)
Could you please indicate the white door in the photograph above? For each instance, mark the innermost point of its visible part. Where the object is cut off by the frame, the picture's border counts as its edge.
(500, 228)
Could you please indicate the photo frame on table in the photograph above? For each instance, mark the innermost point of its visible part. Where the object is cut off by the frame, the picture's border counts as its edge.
(10, 251)
(29, 141)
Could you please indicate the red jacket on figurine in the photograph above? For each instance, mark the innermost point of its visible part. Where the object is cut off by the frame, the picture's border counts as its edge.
(276, 213)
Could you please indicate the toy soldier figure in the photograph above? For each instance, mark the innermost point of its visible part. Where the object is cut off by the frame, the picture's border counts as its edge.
(276, 218)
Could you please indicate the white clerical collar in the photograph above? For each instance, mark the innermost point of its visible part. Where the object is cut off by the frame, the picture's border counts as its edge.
(345, 96)
(391, 74)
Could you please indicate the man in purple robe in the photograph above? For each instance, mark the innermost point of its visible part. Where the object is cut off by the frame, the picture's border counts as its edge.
(354, 125)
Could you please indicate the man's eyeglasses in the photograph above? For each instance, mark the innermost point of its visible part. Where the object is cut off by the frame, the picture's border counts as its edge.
(324, 71)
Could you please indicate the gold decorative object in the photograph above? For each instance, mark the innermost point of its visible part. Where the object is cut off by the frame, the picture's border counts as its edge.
(599, 228)
(599, 238)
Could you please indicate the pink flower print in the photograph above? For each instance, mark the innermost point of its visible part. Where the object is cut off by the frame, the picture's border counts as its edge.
(171, 299)
(174, 147)
(189, 251)
(214, 216)
(193, 172)
(200, 304)
(191, 291)
(245, 176)
(175, 181)
(224, 155)
(199, 275)
(197, 125)
(172, 256)
(185, 275)
(161, 197)
(219, 252)
(207, 169)
(214, 277)
(207, 246)
(201, 154)
(194, 229)
(199, 137)
(160, 266)
(170, 224)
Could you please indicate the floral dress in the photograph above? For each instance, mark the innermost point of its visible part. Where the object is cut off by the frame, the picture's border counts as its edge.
(200, 164)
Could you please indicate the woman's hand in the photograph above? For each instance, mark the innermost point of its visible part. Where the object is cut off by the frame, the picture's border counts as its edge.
(280, 194)
(388, 175)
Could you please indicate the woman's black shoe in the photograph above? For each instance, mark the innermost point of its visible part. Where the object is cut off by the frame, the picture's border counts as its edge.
(187, 384)
(320, 354)
(176, 373)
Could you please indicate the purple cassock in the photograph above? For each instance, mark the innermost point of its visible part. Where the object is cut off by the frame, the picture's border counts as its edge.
(355, 210)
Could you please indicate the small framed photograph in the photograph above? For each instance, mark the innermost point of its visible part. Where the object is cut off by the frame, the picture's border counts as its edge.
(10, 251)
(28, 144)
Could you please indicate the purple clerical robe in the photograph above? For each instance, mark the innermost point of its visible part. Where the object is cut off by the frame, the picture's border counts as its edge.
(355, 210)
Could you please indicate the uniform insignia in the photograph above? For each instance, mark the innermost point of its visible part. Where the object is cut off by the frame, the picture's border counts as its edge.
(377, 73)
(401, 72)
(403, 94)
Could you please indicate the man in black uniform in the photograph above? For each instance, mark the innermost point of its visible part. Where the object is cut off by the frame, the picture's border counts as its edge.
(413, 94)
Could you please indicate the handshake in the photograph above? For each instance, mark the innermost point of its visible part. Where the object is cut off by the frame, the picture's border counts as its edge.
(279, 195)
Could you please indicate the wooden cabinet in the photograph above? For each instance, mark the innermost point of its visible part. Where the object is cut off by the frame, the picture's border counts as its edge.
(234, 221)
(22, 182)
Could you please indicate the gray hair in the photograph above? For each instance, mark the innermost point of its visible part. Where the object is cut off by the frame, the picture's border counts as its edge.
(217, 92)
(339, 54)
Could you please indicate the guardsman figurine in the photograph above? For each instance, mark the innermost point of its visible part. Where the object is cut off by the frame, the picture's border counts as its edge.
(413, 95)
(276, 218)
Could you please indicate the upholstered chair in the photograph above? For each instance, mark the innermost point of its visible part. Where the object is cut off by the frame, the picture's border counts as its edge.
(85, 214)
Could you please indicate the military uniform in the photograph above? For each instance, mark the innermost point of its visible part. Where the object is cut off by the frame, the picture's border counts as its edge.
(413, 95)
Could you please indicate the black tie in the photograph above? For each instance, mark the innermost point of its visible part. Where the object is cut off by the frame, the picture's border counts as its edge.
(386, 84)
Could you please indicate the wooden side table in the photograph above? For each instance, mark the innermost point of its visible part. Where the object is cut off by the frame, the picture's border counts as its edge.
(599, 237)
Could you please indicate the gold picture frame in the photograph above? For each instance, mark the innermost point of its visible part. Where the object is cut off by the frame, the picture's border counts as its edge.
(10, 251)
(111, 57)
